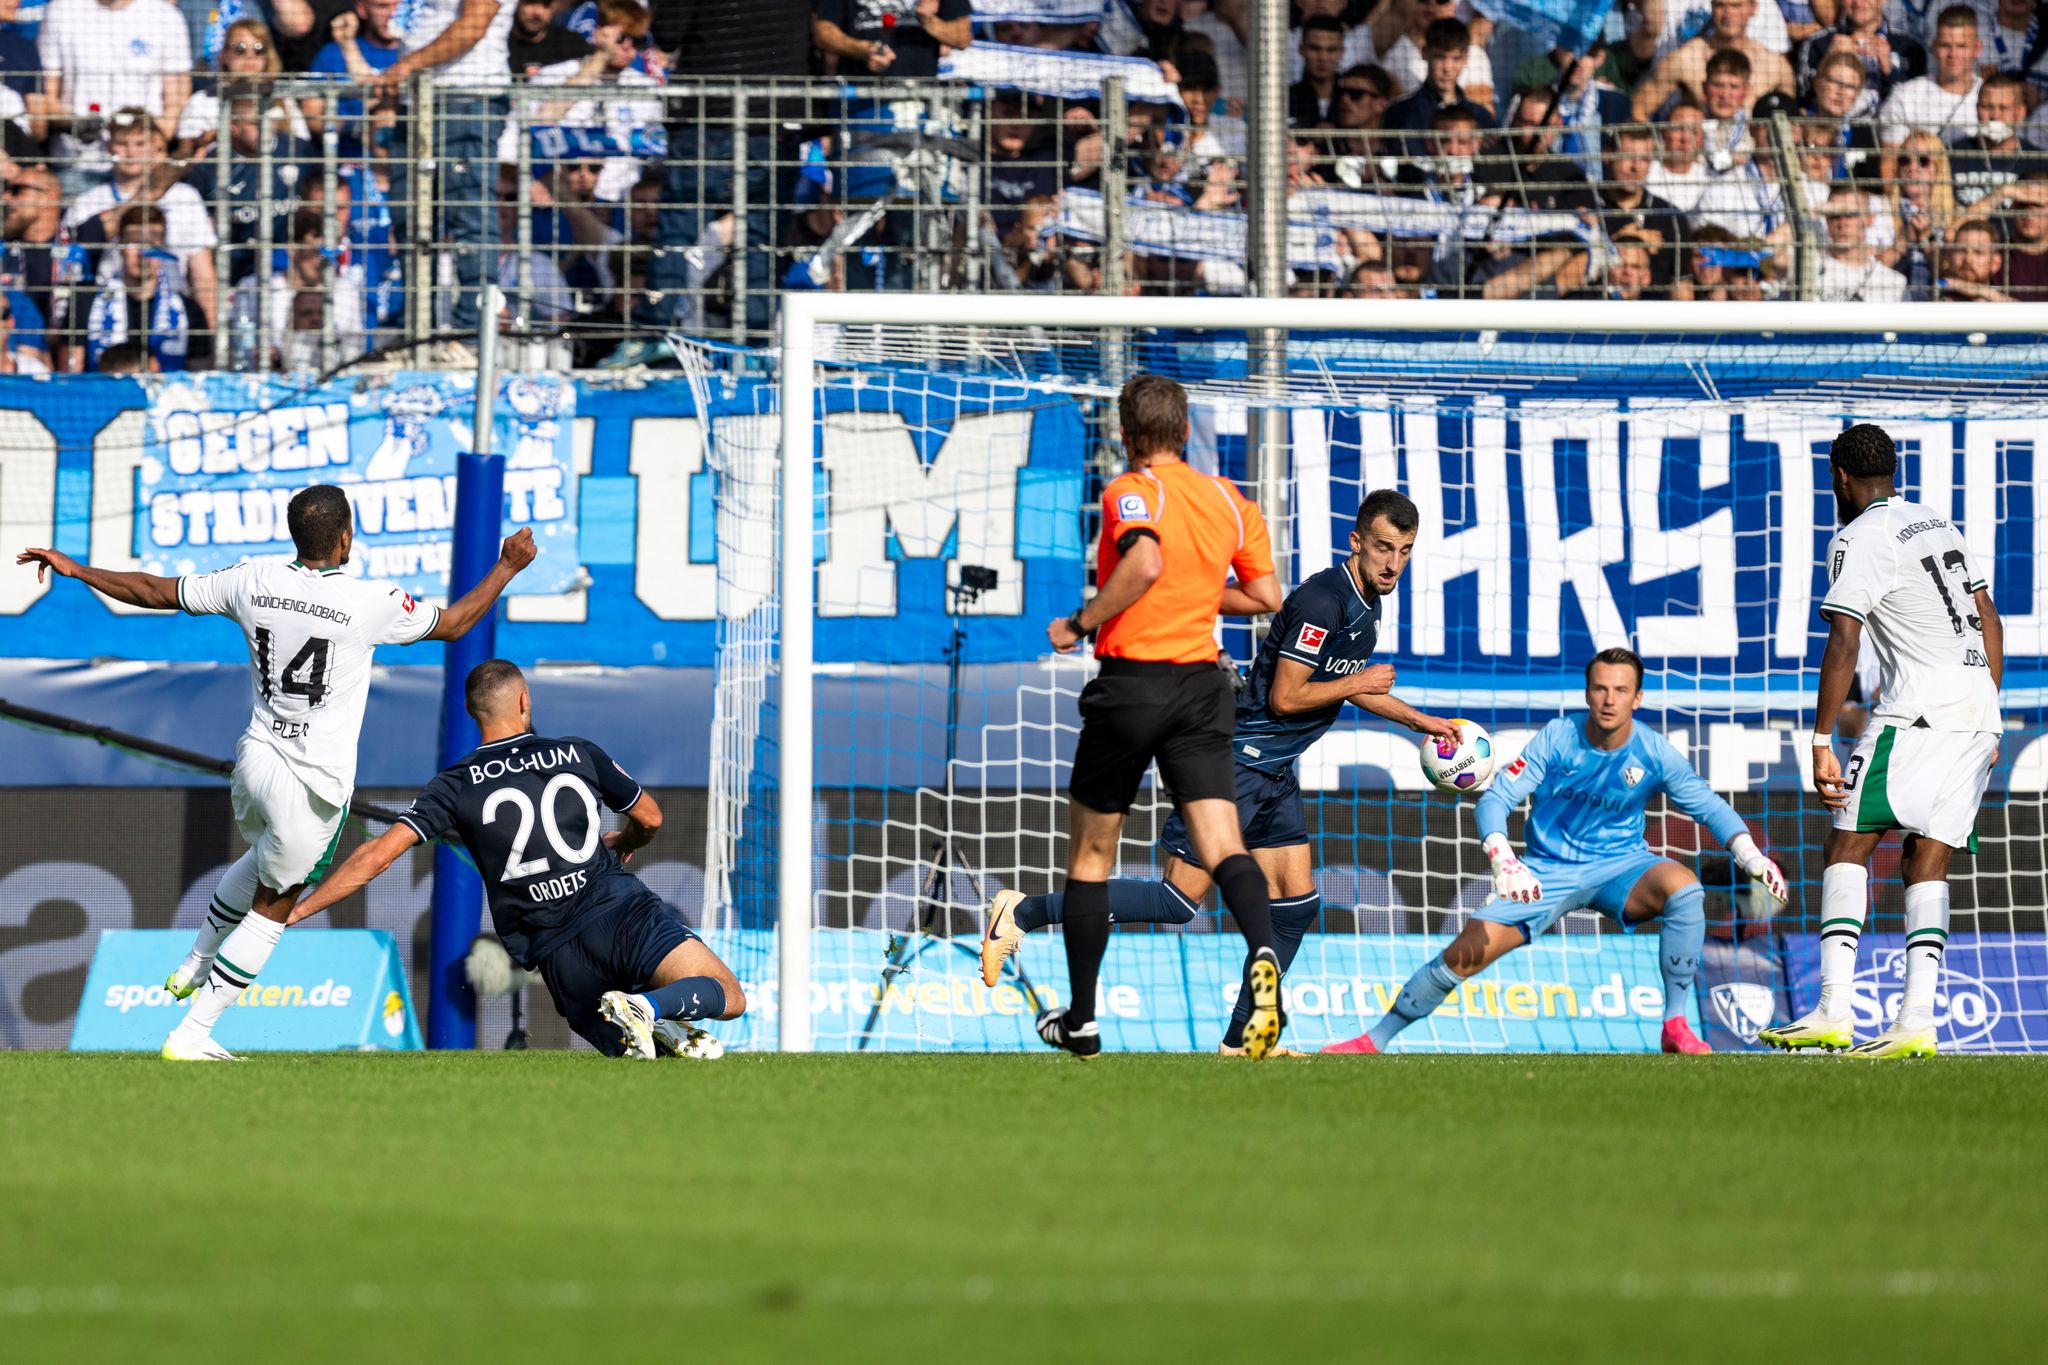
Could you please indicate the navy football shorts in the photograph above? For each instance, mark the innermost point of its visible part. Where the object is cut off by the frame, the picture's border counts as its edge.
(1268, 811)
(614, 949)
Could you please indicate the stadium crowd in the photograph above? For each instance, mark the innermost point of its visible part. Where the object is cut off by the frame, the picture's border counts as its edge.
(237, 184)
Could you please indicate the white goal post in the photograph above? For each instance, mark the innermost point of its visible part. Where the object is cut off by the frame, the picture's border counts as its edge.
(803, 315)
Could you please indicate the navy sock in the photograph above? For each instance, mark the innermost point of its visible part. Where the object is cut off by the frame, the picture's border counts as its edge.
(1244, 892)
(1086, 930)
(1130, 902)
(1292, 918)
(694, 997)
(1035, 912)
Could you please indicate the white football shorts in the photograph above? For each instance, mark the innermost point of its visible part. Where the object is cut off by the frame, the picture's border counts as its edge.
(292, 832)
(1928, 782)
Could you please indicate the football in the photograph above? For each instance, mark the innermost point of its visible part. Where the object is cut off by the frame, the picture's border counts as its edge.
(1465, 767)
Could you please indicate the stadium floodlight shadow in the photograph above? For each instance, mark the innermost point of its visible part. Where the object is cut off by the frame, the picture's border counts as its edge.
(946, 862)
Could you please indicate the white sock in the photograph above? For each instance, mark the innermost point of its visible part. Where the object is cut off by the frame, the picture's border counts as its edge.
(237, 964)
(1926, 940)
(1844, 901)
(231, 902)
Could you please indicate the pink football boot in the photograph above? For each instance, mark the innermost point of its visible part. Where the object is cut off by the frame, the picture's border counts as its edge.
(1679, 1037)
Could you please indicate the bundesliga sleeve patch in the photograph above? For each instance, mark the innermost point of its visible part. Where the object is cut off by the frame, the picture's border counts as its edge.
(1310, 641)
(406, 603)
(1515, 768)
(1131, 507)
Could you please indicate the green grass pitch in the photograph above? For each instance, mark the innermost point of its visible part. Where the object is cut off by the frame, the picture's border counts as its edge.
(931, 1209)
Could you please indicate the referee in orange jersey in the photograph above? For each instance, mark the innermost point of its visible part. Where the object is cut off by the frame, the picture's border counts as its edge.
(1171, 540)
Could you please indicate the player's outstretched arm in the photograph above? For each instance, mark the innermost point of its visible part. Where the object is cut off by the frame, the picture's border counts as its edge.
(357, 871)
(643, 822)
(1390, 707)
(136, 589)
(1512, 879)
(455, 621)
(1133, 577)
(1837, 671)
(1293, 694)
(1260, 597)
(1994, 636)
(1691, 794)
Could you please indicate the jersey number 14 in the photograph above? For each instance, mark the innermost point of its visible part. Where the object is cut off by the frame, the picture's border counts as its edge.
(305, 676)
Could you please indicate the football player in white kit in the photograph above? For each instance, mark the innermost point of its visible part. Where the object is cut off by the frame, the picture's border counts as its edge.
(311, 630)
(1901, 571)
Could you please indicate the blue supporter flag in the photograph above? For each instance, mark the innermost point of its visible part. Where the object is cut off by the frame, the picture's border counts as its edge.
(1552, 23)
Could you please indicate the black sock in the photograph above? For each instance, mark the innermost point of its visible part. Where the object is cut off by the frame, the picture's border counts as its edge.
(1085, 926)
(1244, 891)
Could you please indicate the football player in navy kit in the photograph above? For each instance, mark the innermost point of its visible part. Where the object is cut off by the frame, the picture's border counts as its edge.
(619, 962)
(1316, 658)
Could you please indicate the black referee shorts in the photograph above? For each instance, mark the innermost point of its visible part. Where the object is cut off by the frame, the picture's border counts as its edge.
(1183, 715)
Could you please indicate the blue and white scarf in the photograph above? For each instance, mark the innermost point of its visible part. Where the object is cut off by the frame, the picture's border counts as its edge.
(169, 322)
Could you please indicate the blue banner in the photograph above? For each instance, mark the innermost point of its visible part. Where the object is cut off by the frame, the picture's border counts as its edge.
(222, 455)
(1742, 990)
(1553, 522)
(1173, 993)
(321, 990)
(915, 480)
(581, 142)
(1993, 995)
(1551, 23)
(1554, 526)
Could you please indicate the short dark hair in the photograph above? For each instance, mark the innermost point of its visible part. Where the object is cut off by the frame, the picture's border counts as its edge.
(1617, 655)
(1864, 451)
(1391, 504)
(2003, 80)
(1153, 411)
(125, 357)
(316, 517)
(1375, 77)
(140, 215)
(1957, 16)
(1453, 116)
(1729, 61)
(487, 683)
(1322, 23)
(1445, 36)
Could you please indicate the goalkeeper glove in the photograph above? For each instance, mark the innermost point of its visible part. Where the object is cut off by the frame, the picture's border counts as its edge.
(1751, 862)
(1512, 880)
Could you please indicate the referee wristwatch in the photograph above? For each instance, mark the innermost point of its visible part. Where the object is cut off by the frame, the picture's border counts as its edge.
(1074, 624)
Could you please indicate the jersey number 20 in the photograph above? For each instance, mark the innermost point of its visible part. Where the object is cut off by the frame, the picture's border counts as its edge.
(519, 865)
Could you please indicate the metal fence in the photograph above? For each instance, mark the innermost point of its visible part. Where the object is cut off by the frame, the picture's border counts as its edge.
(321, 223)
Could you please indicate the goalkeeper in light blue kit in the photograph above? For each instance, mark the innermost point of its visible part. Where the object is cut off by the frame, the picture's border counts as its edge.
(1591, 778)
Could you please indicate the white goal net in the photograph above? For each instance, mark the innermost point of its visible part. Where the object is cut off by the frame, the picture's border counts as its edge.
(1581, 484)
